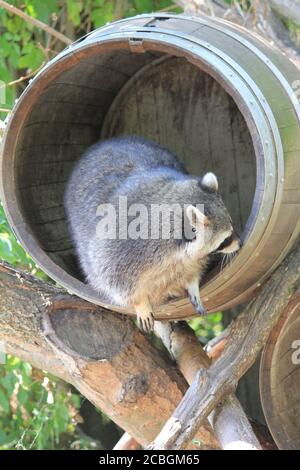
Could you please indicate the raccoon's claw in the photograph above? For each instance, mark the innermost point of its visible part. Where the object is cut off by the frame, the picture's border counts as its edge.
(146, 323)
(197, 304)
(201, 310)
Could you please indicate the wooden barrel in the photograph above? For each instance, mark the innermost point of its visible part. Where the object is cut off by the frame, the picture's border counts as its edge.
(218, 97)
(280, 378)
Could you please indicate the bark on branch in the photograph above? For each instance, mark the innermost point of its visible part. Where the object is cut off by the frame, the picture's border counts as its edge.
(101, 353)
(248, 335)
(229, 420)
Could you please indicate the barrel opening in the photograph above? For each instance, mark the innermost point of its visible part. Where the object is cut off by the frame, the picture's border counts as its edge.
(155, 95)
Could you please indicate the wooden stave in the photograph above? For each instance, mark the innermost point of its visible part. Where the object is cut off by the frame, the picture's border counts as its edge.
(272, 392)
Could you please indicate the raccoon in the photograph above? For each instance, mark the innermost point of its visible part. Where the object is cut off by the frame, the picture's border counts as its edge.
(141, 272)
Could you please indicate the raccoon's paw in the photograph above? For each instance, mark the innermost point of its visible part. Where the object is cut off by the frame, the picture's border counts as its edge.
(197, 304)
(194, 295)
(145, 318)
(145, 321)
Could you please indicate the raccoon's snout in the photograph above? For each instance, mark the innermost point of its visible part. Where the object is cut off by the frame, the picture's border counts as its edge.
(230, 244)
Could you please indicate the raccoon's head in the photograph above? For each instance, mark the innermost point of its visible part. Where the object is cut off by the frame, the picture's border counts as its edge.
(211, 223)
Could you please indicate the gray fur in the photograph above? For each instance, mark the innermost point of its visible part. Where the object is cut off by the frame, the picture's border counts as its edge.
(147, 174)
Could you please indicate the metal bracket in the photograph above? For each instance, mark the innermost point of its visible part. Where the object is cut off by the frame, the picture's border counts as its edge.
(136, 45)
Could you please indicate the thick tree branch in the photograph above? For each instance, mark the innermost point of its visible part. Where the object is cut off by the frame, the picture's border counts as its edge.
(229, 421)
(127, 443)
(248, 335)
(23, 78)
(101, 353)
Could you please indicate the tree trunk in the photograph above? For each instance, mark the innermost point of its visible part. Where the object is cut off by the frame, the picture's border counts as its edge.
(101, 353)
(248, 387)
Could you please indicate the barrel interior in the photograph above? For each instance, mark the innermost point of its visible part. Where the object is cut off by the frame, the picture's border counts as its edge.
(162, 98)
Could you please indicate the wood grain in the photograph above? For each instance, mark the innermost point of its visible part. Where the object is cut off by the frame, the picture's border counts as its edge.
(102, 354)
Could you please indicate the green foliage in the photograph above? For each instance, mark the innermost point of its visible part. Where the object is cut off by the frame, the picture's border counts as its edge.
(145, 6)
(11, 250)
(24, 48)
(74, 10)
(102, 14)
(208, 327)
(294, 31)
(36, 412)
(245, 5)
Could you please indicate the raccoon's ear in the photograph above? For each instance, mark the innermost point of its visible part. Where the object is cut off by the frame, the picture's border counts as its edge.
(210, 181)
(196, 217)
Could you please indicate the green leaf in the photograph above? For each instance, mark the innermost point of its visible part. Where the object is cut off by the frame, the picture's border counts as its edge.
(13, 24)
(74, 10)
(3, 437)
(103, 15)
(5, 246)
(4, 402)
(75, 399)
(23, 396)
(42, 9)
(9, 382)
(31, 60)
(144, 6)
(5, 74)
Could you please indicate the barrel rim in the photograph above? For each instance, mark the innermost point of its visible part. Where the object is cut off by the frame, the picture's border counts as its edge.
(166, 311)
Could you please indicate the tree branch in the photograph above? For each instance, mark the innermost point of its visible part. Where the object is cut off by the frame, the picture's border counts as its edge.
(24, 77)
(229, 421)
(101, 353)
(127, 443)
(248, 335)
(39, 24)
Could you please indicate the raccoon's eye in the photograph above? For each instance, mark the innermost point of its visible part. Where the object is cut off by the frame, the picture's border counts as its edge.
(227, 242)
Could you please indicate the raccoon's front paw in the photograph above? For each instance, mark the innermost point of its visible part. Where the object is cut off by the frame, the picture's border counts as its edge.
(194, 295)
(197, 304)
(145, 321)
